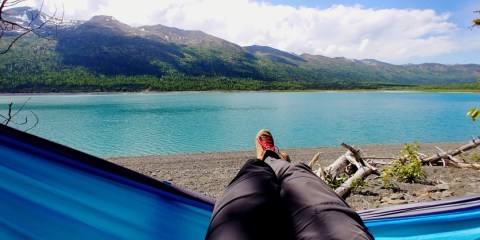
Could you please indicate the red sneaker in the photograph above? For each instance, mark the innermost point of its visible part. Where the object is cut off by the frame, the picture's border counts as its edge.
(264, 144)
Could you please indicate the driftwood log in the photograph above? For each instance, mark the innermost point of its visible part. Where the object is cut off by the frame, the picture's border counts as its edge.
(447, 158)
(355, 167)
(351, 164)
(345, 188)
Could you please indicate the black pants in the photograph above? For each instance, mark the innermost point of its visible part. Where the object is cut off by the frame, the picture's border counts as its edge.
(276, 199)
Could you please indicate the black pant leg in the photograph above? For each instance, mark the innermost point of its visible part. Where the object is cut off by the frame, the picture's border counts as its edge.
(317, 212)
(250, 207)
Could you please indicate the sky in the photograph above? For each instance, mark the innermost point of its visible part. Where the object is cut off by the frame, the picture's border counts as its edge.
(398, 32)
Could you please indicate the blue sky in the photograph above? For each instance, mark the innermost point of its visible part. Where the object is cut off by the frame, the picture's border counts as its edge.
(440, 5)
(462, 10)
(461, 13)
(398, 32)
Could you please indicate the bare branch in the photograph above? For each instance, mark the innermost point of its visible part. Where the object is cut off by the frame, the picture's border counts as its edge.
(21, 108)
(356, 154)
(9, 114)
(314, 160)
(13, 42)
(36, 122)
(8, 3)
(476, 22)
(22, 30)
(10, 118)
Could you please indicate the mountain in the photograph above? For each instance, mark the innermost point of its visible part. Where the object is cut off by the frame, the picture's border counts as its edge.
(274, 54)
(32, 18)
(183, 37)
(25, 16)
(104, 52)
(106, 46)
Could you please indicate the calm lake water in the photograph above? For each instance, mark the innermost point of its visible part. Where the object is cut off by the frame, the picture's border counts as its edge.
(166, 123)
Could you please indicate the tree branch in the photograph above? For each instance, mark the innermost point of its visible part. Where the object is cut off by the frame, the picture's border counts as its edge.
(10, 26)
(10, 117)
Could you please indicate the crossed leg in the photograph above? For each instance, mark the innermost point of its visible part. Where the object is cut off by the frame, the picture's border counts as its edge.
(250, 207)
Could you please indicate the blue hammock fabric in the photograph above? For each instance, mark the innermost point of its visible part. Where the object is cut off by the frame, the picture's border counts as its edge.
(49, 191)
(456, 218)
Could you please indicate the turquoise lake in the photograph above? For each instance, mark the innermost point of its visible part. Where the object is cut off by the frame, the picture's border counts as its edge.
(168, 123)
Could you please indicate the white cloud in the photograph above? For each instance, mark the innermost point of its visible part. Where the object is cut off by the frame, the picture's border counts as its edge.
(391, 35)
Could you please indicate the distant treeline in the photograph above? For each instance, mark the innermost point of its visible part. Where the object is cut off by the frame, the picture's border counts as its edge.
(92, 83)
(466, 87)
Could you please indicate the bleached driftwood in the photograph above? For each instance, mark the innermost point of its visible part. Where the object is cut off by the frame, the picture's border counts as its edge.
(447, 158)
(336, 168)
(352, 160)
(361, 173)
(320, 172)
(314, 160)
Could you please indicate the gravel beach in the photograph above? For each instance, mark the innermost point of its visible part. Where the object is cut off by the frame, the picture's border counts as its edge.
(210, 173)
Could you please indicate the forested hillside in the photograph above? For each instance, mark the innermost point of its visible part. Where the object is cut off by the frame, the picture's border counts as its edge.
(103, 54)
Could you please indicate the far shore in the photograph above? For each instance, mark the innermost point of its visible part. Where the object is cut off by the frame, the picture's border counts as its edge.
(225, 91)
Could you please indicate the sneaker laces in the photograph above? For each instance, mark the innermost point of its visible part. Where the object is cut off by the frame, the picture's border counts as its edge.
(266, 141)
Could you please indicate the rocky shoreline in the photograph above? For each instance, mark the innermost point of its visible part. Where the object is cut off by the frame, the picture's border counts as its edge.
(210, 173)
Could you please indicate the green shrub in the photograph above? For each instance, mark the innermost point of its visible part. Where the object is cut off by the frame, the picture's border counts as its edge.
(408, 168)
(335, 183)
(358, 184)
(475, 156)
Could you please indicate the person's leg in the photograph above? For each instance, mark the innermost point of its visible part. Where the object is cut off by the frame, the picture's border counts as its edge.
(317, 212)
(250, 206)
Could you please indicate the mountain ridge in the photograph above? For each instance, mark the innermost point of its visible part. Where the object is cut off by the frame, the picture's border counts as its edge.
(104, 46)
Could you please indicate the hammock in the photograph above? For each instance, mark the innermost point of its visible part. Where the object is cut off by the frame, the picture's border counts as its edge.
(49, 191)
(456, 218)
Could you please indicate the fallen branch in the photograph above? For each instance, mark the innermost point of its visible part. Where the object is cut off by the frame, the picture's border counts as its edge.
(444, 155)
(379, 158)
(449, 156)
(320, 172)
(377, 162)
(473, 166)
(337, 167)
(314, 160)
(352, 165)
(345, 188)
